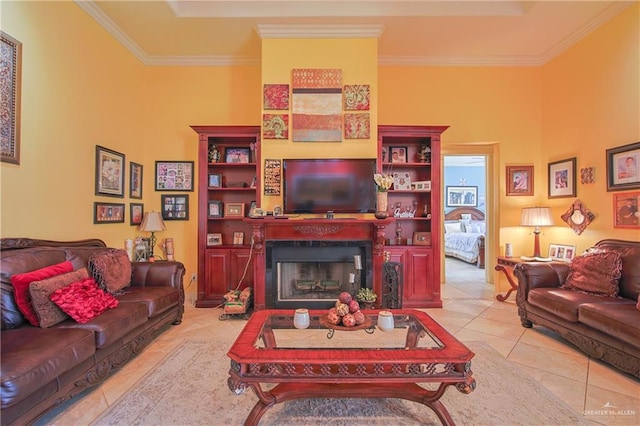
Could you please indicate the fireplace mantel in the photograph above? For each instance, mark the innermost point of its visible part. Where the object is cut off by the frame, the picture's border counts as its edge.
(264, 230)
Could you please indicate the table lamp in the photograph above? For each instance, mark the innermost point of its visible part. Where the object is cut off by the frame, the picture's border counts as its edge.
(152, 222)
(536, 217)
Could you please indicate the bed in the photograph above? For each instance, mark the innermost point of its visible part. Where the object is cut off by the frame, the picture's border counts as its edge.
(464, 235)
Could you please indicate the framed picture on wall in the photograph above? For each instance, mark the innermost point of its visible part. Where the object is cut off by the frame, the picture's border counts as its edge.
(135, 180)
(136, 211)
(626, 213)
(519, 180)
(462, 196)
(174, 175)
(562, 178)
(108, 212)
(175, 207)
(109, 172)
(623, 167)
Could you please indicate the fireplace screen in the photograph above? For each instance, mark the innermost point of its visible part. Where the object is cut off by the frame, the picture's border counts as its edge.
(298, 281)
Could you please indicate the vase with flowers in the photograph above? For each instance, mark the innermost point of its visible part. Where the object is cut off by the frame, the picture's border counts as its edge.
(383, 183)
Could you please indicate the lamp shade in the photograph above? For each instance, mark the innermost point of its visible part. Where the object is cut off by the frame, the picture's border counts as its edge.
(536, 216)
(152, 222)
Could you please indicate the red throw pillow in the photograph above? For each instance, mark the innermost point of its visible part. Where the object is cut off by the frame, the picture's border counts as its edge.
(83, 300)
(596, 272)
(21, 283)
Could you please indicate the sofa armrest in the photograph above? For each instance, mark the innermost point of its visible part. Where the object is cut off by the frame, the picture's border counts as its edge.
(157, 274)
(535, 275)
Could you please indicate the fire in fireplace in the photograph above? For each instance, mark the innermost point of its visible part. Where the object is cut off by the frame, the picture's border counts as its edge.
(311, 274)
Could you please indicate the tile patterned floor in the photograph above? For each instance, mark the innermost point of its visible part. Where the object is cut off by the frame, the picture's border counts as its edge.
(470, 312)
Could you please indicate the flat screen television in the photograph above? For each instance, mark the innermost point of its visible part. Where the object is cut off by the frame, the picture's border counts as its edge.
(322, 185)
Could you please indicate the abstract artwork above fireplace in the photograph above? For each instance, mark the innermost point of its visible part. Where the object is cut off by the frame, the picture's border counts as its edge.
(317, 105)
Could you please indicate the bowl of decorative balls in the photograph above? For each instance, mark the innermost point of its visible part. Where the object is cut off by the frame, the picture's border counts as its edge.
(346, 315)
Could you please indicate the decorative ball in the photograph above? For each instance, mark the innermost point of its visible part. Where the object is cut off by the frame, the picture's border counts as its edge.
(354, 306)
(333, 317)
(342, 309)
(359, 317)
(345, 297)
(348, 320)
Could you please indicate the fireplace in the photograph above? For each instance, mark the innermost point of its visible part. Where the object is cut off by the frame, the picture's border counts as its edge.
(311, 274)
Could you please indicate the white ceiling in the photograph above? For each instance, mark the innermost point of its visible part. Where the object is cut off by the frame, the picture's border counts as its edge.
(414, 32)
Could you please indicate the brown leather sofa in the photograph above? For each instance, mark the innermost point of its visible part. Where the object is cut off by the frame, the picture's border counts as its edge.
(606, 328)
(44, 367)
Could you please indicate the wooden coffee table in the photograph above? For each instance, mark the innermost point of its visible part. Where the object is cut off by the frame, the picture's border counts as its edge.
(319, 362)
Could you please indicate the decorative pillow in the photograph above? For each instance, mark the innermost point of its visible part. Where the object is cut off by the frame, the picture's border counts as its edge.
(111, 269)
(596, 273)
(83, 300)
(48, 312)
(453, 227)
(21, 283)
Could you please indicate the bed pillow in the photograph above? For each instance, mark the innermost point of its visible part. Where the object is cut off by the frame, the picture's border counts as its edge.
(453, 227)
(596, 272)
(21, 283)
(111, 269)
(49, 313)
(83, 300)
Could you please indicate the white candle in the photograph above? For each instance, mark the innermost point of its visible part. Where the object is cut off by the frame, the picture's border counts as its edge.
(357, 261)
(352, 277)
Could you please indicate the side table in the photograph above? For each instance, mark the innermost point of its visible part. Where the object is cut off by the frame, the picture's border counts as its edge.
(506, 265)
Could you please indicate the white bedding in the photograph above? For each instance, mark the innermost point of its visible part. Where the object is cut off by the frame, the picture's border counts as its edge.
(462, 245)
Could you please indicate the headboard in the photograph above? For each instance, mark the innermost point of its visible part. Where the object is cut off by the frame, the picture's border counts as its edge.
(455, 213)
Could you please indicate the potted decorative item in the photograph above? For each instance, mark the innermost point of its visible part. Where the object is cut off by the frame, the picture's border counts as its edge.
(383, 183)
(366, 297)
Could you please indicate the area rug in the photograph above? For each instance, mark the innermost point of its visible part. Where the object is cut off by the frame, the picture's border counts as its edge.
(189, 387)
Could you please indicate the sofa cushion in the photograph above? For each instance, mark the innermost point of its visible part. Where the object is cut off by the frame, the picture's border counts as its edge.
(620, 319)
(630, 252)
(157, 299)
(32, 357)
(113, 324)
(83, 300)
(48, 312)
(21, 283)
(596, 272)
(561, 302)
(111, 269)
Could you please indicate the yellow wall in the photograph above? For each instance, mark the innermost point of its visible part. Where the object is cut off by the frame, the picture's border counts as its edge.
(81, 88)
(591, 102)
(358, 60)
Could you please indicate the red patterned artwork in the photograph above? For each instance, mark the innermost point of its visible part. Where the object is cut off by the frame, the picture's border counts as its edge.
(317, 105)
(276, 96)
(275, 126)
(357, 126)
(356, 97)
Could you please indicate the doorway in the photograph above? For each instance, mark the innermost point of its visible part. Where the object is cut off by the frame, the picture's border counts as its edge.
(471, 166)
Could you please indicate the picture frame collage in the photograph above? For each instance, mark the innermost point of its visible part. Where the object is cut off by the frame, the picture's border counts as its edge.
(110, 171)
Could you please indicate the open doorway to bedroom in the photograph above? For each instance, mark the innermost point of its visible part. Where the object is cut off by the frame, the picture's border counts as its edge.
(465, 213)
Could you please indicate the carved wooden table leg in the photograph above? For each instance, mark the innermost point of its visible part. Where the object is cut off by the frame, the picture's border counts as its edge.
(506, 267)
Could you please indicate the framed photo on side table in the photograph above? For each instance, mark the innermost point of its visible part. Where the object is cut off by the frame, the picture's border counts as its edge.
(109, 172)
(562, 252)
(623, 167)
(519, 180)
(174, 175)
(175, 207)
(135, 180)
(562, 178)
(625, 210)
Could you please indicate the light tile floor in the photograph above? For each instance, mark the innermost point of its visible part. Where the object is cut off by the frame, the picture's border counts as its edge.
(604, 395)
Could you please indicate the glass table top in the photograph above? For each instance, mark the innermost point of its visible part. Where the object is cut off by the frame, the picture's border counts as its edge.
(409, 332)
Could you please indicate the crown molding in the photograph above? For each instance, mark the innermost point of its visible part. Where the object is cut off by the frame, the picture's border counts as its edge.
(460, 61)
(319, 31)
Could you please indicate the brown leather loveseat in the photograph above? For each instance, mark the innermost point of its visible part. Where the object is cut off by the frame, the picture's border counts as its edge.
(45, 366)
(566, 299)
